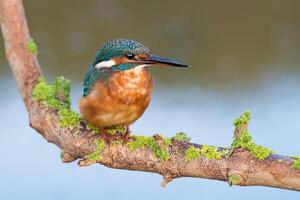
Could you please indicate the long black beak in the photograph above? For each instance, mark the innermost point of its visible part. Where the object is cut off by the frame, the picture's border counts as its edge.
(155, 59)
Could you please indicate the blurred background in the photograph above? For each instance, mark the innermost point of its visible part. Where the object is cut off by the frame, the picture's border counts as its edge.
(244, 55)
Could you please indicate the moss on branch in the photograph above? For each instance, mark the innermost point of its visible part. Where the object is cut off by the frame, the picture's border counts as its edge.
(117, 129)
(206, 151)
(32, 46)
(92, 128)
(296, 163)
(181, 137)
(57, 96)
(160, 150)
(96, 155)
(234, 180)
(244, 139)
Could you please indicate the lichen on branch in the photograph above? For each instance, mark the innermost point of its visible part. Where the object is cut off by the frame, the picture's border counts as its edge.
(57, 96)
(296, 163)
(244, 140)
(234, 180)
(32, 46)
(96, 155)
(160, 150)
(182, 137)
(206, 151)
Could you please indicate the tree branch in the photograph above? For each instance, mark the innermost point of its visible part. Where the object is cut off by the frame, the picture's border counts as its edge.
(238, 165)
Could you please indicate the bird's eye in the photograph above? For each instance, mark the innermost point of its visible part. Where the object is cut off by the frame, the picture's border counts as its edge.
(130, 56)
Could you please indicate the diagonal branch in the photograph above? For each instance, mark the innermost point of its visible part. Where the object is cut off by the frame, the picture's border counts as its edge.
(244, 163)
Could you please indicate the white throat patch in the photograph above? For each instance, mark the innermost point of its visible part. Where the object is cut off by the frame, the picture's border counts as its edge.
(105, 64)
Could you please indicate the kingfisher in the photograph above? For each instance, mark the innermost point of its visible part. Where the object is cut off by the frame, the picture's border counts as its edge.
(117, 87)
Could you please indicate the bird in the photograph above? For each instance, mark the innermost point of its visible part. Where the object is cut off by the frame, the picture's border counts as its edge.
(117, 87)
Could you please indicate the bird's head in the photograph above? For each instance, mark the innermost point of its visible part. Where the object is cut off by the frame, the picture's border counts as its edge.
(120, 55)
(125, 54)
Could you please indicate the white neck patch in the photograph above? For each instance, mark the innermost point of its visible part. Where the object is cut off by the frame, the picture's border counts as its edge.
(110, 63)
(105, 64)
(140, 67)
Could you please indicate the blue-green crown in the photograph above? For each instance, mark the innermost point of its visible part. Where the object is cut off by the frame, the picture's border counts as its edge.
(118, 48)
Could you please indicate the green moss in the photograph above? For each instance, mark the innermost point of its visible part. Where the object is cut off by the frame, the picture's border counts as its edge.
(210, 152)
(243, 119)
(166, 141)
(57, 96)
(192, 153)
(160, 151)
(116, 142)
(139, 142)
(54, 95)
(100, 146)
(226, 152)
(68, 118)
(244, 140)
(182, 137)
(117, 129)
(260, 152)
(32, 46)
(63, 89)
(92, 128)
(296, 163)
(234, 179)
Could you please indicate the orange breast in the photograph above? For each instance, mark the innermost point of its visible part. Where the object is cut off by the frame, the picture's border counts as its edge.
(120, 100)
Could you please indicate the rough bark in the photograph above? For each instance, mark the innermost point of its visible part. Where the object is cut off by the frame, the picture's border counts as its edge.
(274, 171)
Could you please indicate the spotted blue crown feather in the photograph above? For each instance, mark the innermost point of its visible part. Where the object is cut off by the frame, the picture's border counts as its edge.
(119, 47)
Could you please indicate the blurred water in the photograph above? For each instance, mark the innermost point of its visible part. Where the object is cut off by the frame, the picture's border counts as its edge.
(244, 55)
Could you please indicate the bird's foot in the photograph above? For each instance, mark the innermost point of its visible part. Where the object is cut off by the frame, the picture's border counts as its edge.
(127, 136)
